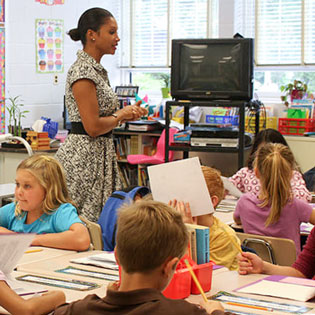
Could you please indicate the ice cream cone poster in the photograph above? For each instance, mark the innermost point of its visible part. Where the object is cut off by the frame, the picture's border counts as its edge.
(2, 81)
(49, 45)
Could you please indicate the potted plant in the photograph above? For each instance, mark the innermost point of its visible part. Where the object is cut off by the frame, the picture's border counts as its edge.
(14, 108)
(296, 90)
(165, 78)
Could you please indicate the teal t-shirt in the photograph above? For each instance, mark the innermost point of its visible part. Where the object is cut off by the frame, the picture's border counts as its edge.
(56, 222)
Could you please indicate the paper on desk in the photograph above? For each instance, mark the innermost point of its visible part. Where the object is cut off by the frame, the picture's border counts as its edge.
(182, 180)
(104, 260)
(231, 188)
(280, 289)
(12, 247)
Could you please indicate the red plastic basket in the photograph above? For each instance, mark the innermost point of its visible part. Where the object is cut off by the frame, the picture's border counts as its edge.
(294, 126)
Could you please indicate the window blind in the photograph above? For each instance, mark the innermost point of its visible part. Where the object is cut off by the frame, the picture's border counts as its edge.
(154, 23)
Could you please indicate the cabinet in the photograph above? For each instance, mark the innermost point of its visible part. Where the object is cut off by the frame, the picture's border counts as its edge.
(134, 142)
(213, 103)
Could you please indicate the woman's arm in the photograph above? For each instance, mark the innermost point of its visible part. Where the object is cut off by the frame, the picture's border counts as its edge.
(76, 238)
(36, 305)
(84, 92)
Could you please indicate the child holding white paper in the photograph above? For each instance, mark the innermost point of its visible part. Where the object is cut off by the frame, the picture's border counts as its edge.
(274, 212)
(43, 206)
(15, 304)
(222, 250)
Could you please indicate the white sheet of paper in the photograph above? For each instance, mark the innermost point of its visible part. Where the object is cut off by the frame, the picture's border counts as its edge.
(12, 249)
(182, 180)
(234, 191)
(280, 289)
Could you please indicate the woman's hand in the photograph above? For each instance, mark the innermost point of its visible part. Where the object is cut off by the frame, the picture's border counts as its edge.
(249, 263)
(184, 210)
(131, 112)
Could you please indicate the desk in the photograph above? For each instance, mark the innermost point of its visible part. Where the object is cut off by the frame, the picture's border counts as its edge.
(231, 280)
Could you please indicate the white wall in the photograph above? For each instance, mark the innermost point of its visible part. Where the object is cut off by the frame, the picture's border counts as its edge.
(42, 97)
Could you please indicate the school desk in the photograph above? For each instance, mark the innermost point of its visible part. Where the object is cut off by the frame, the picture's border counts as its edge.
(230, 280)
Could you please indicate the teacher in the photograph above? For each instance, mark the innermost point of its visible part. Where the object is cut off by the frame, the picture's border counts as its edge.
(88, 154)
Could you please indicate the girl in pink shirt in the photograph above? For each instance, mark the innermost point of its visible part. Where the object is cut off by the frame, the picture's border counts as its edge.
(247, 182)
(274, 212)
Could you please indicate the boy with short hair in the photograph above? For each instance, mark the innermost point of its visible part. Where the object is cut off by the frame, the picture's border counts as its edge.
(222, 250)
(151, 239)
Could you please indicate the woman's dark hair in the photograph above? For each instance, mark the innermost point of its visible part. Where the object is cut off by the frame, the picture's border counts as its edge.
(91, 19)
(267, 135)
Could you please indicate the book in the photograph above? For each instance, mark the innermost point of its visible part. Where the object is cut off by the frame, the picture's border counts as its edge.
(105, 260)
(192, 243)
(143, 125)
(293, 288)
(202, 242)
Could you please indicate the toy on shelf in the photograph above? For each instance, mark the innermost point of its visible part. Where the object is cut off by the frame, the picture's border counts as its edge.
(38, 140)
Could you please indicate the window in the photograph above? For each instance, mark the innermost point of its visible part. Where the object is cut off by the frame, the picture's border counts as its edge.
(152, 24)
(284, 46)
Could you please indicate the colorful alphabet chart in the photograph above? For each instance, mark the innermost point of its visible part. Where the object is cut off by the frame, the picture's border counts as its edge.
(49, 45)
(50, 2)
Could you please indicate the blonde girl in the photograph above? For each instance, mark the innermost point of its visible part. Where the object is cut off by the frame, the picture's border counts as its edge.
(43, 206)
(274, 212)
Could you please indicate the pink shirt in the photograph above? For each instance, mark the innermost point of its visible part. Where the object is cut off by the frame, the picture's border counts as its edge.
(254, 217)
(247, 182)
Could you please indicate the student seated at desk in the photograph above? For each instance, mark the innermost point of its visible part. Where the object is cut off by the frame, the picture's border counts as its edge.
(15, 304)
(222, 250)
(43, 206)
(246, 180)
(151, 239)
(275, 212)
(303, 267)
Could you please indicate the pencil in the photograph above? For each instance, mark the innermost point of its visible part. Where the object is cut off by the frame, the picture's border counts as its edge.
(33, 251)
(196, 281)
(250, 306)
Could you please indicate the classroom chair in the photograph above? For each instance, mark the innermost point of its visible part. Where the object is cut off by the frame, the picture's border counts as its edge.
(159, 156)
(95, 233)
(278, 251)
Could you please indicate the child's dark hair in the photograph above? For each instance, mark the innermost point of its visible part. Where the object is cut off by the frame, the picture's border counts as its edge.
(264, 136)
(91, 19)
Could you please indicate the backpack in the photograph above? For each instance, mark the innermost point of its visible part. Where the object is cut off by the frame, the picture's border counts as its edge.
(108, 217)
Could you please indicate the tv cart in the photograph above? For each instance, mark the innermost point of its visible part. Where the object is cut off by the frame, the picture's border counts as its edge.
(211, 103)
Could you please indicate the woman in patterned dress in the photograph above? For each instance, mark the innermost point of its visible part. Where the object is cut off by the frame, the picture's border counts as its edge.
(88, 154)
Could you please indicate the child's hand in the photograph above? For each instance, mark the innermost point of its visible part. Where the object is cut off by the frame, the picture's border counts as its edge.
(249, 263)
(211, 306)
(184, 210)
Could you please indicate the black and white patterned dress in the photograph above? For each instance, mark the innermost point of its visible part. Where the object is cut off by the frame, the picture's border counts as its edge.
(90, 163)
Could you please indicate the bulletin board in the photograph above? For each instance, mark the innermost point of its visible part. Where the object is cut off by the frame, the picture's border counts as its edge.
(49, 43)
(2, 81)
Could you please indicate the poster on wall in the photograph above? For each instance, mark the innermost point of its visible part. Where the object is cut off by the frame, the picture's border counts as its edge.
(50, 2)
(1, 11)
(2, 78)
(49, 45)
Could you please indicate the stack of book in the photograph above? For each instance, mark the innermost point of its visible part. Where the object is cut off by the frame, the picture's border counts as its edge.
(143, 125)
(199, 243)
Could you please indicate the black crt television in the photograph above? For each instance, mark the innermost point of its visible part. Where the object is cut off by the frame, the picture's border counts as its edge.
(209, 69)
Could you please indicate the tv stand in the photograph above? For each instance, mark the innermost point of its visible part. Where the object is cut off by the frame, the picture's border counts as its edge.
(213, 103)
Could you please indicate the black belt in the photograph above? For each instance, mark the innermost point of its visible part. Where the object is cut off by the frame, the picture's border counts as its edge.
(78, 129)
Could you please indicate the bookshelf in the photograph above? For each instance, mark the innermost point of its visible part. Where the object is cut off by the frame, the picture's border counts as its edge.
(134, 142)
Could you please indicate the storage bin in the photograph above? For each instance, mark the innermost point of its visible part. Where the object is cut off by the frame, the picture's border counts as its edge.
(180, 285)
(291, 126)
(204, 275)
(215, 119)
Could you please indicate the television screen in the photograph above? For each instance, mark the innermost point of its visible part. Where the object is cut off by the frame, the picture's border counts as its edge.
(212, 69)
